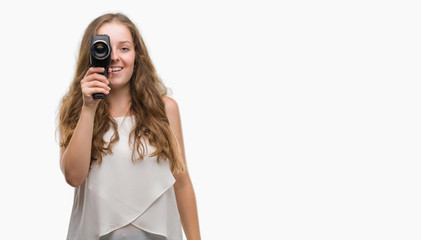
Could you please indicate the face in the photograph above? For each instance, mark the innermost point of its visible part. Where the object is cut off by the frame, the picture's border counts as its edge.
(122, 54)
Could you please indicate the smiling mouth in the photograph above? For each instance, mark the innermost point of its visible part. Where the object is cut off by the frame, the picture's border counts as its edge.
(116, 69)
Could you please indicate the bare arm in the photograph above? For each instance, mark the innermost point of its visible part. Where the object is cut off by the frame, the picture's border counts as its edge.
(75, 158)
(186, 200)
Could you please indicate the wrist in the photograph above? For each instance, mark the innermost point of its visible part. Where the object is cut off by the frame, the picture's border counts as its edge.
(88, 110)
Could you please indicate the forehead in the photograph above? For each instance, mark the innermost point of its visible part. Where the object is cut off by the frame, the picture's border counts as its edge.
(117, 31)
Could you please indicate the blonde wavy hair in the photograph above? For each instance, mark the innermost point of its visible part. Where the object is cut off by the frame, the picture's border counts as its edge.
(147, 105)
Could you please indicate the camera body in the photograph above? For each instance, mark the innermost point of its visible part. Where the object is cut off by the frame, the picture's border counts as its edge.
(100, 56)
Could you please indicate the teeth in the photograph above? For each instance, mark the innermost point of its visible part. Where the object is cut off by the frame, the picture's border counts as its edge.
(116, 69)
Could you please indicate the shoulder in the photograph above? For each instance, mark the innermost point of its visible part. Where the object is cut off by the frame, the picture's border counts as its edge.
(172, 112)
(171, 105)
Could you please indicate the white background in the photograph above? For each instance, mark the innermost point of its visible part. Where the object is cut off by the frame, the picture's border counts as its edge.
(301, 119)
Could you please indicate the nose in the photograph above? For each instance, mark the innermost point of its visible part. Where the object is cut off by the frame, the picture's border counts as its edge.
(114, 55)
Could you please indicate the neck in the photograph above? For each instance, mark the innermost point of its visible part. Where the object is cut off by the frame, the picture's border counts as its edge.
(119, 101)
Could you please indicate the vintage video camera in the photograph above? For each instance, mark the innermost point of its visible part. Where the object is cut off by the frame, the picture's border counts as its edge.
(100, 56)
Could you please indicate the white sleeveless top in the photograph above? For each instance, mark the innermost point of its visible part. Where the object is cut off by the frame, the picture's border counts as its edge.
(119, 192)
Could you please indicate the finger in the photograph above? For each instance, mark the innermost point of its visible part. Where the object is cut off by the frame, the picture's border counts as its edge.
(101, 78)
(95, 84)
(92, 70)
(90, 91)
(110, 73)
(96, 77)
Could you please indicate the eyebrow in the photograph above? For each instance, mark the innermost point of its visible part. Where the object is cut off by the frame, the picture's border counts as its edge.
(125, 42)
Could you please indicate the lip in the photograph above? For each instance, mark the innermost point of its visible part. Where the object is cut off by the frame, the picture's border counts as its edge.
(111, 67)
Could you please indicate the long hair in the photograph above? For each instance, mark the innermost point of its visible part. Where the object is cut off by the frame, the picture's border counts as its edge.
(147, 105)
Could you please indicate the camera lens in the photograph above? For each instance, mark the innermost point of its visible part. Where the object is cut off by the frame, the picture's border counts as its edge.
(100, 50)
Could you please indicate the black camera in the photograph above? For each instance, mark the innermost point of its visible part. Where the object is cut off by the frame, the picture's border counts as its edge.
(100, 56)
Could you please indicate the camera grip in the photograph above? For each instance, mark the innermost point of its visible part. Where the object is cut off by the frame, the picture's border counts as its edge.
(98, 96)
(101, 95)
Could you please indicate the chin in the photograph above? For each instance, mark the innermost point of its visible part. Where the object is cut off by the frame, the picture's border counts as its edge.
(118, 84)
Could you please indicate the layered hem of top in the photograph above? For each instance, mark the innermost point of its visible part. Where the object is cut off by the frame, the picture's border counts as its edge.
(150, 231)
(157, 216)
(133, 220)
(163, 217)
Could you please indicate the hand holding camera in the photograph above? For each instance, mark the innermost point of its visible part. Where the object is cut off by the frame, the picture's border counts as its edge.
(95, 83)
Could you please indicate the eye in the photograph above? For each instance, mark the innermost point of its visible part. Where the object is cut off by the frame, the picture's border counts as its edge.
(125, 49)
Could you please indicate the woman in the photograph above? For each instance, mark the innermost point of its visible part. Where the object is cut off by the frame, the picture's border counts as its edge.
(124, 154)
